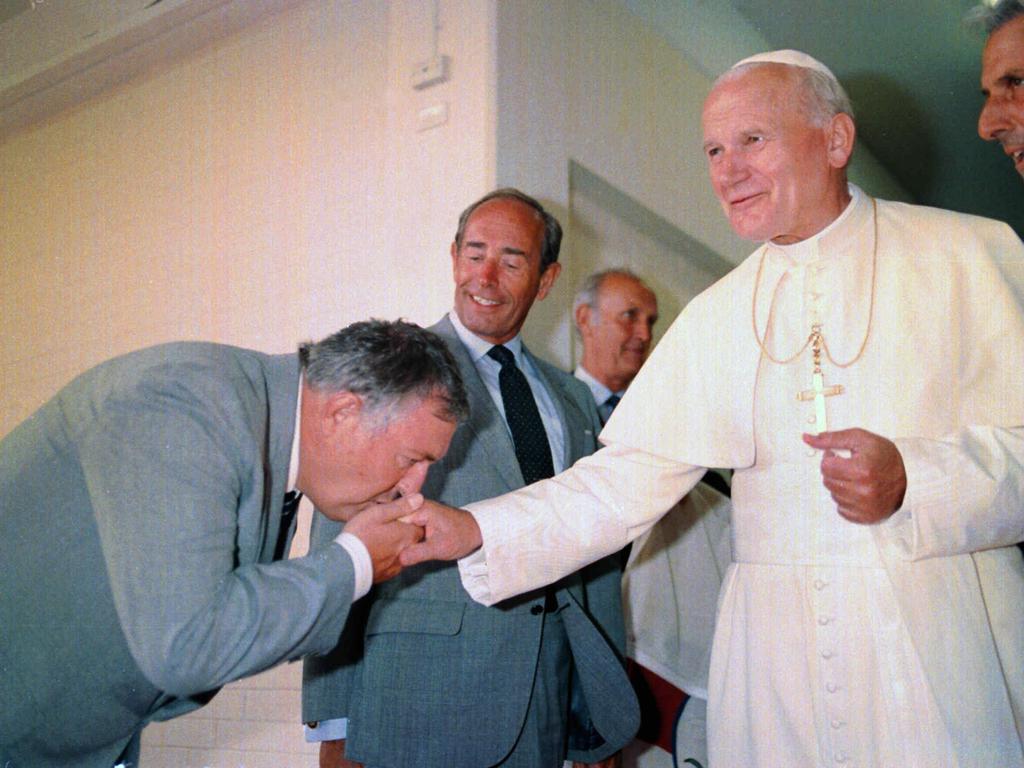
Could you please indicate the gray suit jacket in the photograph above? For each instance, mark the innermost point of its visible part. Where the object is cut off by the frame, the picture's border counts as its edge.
(427, 676)
(141, 508)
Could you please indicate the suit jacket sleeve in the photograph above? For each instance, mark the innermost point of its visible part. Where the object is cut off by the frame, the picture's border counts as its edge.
(328, 679)
(168, 469)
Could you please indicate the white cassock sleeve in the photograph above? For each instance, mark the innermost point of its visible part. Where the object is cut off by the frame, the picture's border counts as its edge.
(549, 529)
(965, 488)
(964, 494)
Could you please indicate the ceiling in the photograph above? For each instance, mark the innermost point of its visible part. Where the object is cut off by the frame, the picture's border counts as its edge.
(55, 54)
(911, 69)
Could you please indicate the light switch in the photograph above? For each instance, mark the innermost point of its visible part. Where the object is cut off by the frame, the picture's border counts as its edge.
(432, 116)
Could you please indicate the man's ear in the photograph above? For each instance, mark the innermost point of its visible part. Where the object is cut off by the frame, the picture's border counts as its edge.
(547, 279)
(340, 411)
(583, 319)
(841, 134)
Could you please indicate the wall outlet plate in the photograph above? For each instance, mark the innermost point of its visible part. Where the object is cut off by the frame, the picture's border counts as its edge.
(430, 72)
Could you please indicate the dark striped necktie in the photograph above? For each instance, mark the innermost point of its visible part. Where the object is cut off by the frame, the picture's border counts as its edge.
(531, 441)
(608, 406)
(288, 510)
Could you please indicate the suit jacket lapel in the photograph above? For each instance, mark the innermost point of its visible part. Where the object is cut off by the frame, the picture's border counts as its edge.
(578, 437)
(282, 384)
(484, 422)
(575, 428)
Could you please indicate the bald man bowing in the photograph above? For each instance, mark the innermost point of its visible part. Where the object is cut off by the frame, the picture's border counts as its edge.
(861, 372)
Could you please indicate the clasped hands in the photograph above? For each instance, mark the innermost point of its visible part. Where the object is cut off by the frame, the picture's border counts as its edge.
(410, 530)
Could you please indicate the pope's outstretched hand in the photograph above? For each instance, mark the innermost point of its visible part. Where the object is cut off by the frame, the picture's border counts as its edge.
(450, 534)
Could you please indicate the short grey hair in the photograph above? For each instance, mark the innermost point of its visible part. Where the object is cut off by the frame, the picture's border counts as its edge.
(552, 242)
(385, 362)
(590, 290)
(992, 18)
(822, 97)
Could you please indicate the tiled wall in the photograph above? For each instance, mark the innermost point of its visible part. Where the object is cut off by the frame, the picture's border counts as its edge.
(250, 724)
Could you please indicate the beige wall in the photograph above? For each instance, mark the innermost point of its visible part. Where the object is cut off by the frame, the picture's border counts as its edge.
(270, 188)
(610, 230)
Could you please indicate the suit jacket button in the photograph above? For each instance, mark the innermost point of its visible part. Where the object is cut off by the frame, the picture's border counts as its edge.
(537, 610)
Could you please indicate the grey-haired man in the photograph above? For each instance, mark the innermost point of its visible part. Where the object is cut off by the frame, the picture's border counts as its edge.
(145, 517)
(437, 679)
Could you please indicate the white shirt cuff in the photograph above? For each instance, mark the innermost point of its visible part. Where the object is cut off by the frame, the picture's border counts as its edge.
(473, 572)
(361, 563)
(327, 730)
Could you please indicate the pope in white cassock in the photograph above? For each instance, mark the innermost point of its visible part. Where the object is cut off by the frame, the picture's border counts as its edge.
(863, 372)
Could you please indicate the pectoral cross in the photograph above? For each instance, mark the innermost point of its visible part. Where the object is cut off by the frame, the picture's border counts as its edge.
(818, 391)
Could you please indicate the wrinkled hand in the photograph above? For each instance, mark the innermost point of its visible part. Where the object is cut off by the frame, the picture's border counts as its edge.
(450, 534)
(869, 485)
(332, 755)
(378, 526)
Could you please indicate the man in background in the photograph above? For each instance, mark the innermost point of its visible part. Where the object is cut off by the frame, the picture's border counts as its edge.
(1002, 78)
(615, 313)
(147, 506)
(438, 679)
(674, 571)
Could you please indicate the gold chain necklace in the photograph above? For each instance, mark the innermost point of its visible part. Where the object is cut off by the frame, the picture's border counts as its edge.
(816, 338)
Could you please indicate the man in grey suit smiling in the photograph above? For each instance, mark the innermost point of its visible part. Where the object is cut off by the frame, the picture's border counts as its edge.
(433, 678)
(143, 525)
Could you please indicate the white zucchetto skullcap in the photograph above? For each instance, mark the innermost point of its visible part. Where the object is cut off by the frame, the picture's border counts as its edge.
(789, 57)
